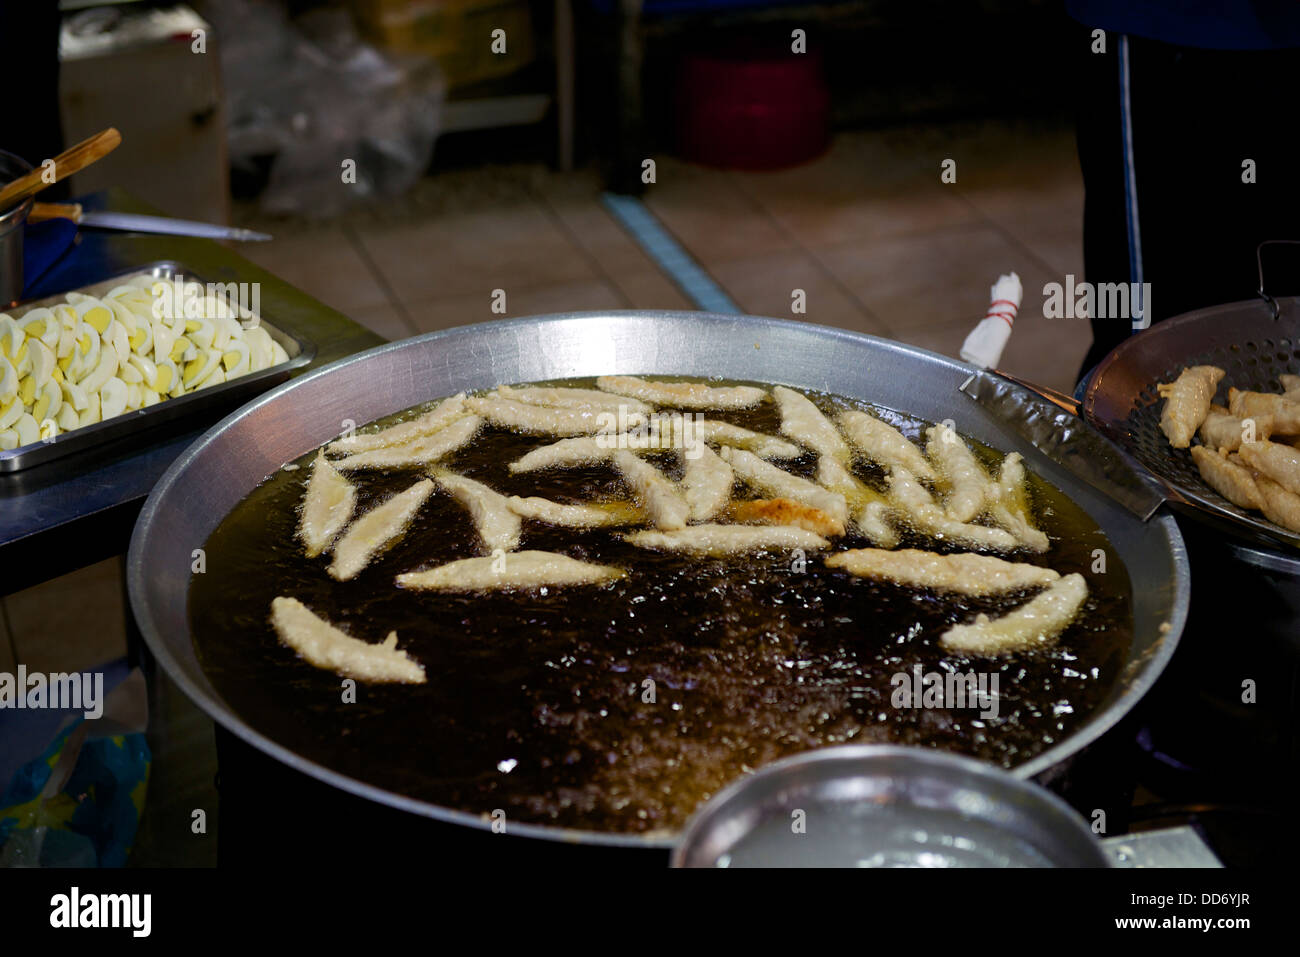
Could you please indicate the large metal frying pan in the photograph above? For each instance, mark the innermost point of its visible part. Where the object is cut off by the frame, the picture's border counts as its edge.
(214, 474)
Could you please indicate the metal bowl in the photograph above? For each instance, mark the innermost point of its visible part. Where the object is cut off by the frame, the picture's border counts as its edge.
(223, 466)
(885, 806)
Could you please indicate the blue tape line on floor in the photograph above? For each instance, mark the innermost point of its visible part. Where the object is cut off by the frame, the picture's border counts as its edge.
(650, 235)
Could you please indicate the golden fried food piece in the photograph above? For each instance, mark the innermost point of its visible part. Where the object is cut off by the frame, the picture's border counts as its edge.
(326, 507)
(1224, 431)
(1009, 506)
(806, 424)
(1279, 462)
(1187, 403)
(376, 530)
(1232, 481)
(422, 450)
(962, 572)
(720, 541)
(527, 569)
(1036, 624)
(497, 523)
(968, 484)
(775, 482)
(575, 516)
(436, 419)
(786, 511)
(683, 395)
(655, 492)
(1283, 413)
(881, 442)
(325, 646)
(1281, 507)
(706, 481)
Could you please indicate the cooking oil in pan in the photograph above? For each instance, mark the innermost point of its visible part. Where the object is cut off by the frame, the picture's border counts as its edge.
(620, 708)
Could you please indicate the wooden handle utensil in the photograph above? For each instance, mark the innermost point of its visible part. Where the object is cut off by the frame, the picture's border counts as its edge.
(65, 164)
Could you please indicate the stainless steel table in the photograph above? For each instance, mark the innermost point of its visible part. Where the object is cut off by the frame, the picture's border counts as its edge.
(59, 517)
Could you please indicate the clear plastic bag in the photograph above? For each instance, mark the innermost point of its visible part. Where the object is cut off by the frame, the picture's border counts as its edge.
(341, 121)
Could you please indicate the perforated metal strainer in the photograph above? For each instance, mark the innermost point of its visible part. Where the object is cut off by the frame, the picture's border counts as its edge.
(1244, 339)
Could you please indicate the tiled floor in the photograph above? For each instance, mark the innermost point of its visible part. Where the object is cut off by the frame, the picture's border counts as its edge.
(868, 231)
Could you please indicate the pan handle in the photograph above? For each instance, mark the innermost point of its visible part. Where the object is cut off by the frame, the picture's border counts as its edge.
(1050, 422)
(1259, 263)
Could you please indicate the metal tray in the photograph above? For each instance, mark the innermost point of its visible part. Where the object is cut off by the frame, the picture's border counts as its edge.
(192, 405)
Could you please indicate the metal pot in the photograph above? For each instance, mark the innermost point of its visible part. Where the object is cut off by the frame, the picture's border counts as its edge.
(215, 473)
(12, 221)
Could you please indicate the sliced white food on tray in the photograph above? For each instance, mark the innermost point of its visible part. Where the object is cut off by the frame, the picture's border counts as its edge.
(683, 395)
(1035, 624)
(769, 480)
(597, 515)
(377, 530)
(439, 417)
(325, 646)
(719, 541)
(424, 450)
(655, 492)
(496, 522)
(960, 572)
(526, 569)
(326, 508)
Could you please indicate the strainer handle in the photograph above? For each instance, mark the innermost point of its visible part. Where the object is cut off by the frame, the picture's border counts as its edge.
(1259, 263)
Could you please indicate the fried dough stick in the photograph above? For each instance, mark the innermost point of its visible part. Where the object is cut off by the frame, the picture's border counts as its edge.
(775, 482)
(962, 572)
(436, 419)
(327, 506)
(1279, 506)
(574, 516)
(706, 482)
(497, 523)
(376, 530)
(920, 509)
(803, 422)
(654, 491)
(1224, 431)
(683, 395)
(424, 450)
(1281, 463)
(537, 419)
(723, 540)
(1187, 403)
(1283, 413)
(1234, 482)
(1009, 505)
(1036, 624)
(527, 569)
(968, 483)
(785, 511)
(882, 443)
(325, 646)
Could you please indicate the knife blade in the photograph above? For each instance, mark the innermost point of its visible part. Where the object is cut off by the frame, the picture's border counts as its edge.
(139, 223)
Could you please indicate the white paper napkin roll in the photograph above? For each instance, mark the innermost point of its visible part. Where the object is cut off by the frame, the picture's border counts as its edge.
(983, 347)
